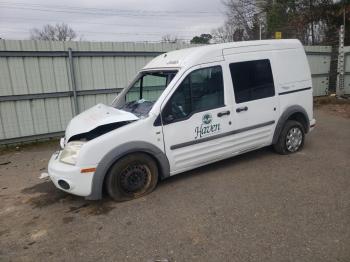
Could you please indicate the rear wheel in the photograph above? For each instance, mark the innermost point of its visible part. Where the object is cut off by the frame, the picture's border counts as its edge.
(132, 176)
(291, 138)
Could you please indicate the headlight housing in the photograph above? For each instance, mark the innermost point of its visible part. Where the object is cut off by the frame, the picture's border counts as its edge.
(70, 152)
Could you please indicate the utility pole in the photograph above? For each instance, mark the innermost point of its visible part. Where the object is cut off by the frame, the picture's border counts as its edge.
(344, 19)
(260, 26)
(260, 30)
(341, 64)
(312, 24)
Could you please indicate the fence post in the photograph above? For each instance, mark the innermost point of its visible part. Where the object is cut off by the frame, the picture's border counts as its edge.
(341, 64)
(72, 76)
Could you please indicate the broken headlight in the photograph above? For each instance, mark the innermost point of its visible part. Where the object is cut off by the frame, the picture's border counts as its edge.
(70, 152)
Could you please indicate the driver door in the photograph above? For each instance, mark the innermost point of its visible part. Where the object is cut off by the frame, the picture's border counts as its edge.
(194, 120)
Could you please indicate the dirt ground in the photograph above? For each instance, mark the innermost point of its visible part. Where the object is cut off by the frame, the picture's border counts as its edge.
(256, 207)
(334, 106)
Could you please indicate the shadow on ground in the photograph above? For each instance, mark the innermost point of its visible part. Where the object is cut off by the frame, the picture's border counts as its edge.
(46, 194)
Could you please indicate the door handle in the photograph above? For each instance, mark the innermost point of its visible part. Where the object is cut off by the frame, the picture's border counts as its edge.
(240, 109)
(225, 113)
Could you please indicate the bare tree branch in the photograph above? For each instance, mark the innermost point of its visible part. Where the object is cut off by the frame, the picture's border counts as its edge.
(58, 32)
(243, 19)
(169, 39)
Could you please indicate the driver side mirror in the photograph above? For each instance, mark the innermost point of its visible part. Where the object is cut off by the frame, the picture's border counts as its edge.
(166, 119)
(169, 118)
(167, 114)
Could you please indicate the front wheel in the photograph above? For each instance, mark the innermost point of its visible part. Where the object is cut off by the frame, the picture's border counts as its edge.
(132, 176)
(291, 138)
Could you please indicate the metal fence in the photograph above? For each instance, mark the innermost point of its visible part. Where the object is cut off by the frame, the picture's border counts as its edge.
(319, 58)
(44, 84)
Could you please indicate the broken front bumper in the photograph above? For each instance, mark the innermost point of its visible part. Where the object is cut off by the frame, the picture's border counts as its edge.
(68, 177)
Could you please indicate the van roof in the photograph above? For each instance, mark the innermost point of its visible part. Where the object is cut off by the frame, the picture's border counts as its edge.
(212, 53)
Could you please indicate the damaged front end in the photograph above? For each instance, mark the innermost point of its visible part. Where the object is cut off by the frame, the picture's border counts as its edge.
(95, 122)
(98, 131)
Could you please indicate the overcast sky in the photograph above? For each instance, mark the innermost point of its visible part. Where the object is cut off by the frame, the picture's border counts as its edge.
(113, 20)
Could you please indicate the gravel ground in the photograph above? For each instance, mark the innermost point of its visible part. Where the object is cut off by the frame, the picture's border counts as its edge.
(256, 207)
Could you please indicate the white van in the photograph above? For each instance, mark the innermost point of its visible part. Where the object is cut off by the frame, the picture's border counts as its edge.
(185, 109)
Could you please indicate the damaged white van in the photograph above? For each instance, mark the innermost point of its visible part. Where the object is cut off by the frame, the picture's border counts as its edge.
(185, 109)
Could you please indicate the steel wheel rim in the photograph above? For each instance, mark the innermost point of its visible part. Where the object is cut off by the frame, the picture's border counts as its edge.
(294, 139)
(135, 178)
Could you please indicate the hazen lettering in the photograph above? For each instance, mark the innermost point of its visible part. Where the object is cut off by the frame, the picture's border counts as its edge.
(204, 130)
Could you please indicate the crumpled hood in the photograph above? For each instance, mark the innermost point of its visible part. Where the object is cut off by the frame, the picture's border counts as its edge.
(94, 117)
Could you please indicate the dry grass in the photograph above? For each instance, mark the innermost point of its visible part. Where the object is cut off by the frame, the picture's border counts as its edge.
(339, 107)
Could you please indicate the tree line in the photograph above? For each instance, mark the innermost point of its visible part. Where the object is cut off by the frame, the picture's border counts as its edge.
(313, 22)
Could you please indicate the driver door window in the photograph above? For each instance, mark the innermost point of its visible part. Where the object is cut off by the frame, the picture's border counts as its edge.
(201, 90)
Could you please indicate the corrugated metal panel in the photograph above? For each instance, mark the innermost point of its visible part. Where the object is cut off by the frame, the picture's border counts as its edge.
(9, 120)
(38, 75)
(5, 78)
(319, 58)
(39, 116)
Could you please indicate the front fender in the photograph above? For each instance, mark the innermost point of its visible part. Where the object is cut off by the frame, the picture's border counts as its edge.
(111, 157)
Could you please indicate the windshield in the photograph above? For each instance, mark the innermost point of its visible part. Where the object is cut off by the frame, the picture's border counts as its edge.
(145, 91)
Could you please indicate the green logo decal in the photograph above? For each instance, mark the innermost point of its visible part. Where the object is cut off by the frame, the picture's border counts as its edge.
(207, 127)
(207, 118)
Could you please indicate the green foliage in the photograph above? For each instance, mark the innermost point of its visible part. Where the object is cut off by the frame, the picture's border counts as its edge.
(311, 21)
(202, 39)
(276, 18)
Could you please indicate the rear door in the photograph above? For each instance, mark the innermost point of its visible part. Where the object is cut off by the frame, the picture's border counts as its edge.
(195, 118)
(256, 107)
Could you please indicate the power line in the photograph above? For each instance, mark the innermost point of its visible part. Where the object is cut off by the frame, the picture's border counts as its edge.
(94, 9)
(19, 19)
(107, 13)
(105, 33)
(102, 12)
(87, 32)
(190, 33)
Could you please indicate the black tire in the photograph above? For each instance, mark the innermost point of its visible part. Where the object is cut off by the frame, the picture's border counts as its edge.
(131, 177)
(281, 145)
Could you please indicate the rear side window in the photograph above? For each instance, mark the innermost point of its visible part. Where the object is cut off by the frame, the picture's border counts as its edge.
(252, 80)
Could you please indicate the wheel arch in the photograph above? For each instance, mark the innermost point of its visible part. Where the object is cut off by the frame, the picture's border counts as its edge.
(292, 113)
(125, 149)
